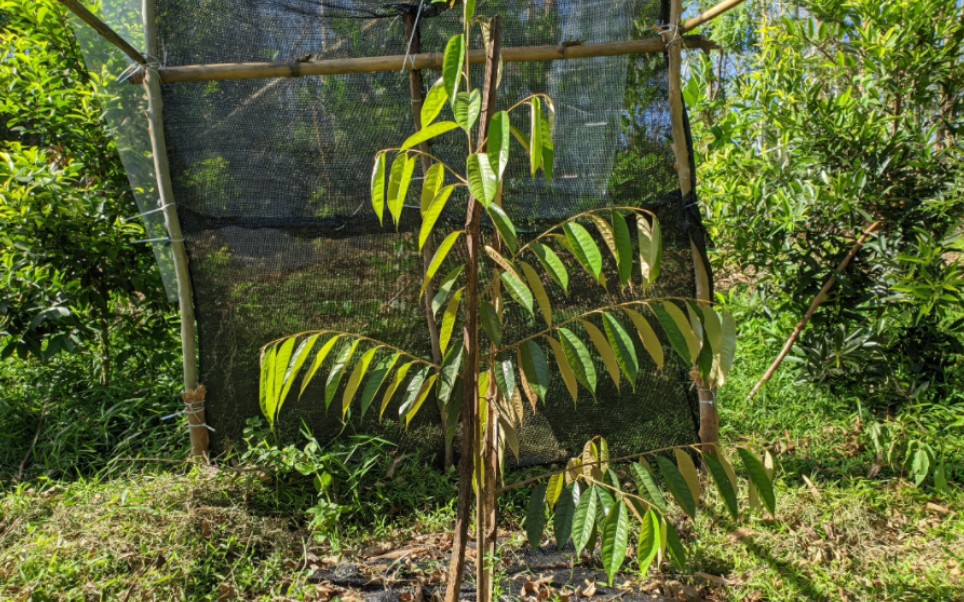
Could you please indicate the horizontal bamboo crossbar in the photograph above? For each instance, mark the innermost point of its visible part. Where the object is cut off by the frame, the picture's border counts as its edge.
(528, 54)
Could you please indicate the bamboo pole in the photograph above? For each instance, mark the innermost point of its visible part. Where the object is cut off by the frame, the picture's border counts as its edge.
(193, 393)
(415, 62)
(710, 14)
(104, 30)
(416, 86)
(709, 417)
(817, 301)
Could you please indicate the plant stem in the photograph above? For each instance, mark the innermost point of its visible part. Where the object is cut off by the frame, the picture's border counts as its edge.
(820, 298)
(470, 371)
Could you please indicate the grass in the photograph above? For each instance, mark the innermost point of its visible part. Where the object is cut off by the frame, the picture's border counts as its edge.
(82, 527)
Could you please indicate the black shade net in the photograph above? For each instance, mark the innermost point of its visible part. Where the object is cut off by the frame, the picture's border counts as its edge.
(271, 181)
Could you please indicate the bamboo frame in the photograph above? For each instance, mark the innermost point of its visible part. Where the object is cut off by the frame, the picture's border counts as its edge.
(710, 14)
(414, 62)
(193, 394)
(104, 30)
(709, 417)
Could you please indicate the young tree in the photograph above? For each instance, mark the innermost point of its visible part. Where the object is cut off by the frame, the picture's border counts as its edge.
(499, 280)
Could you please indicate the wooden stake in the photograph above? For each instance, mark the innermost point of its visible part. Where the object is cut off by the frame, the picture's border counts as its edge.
(104, 30)
(194, 395)
(820, 298)
(415, 62)
(709, 417)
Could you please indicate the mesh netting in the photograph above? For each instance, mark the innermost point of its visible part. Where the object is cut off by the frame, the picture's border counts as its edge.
(271, 183)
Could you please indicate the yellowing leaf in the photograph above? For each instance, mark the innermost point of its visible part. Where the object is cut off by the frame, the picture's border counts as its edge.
(685, 464)
(440, 254)
(427, 133)
(648, 336)
(535, 285)
(568, 376)
(605, 351)
(448, 321)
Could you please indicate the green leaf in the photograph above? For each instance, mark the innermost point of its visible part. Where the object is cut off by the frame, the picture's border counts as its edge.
(552, 264)
(584, 520)
(677, 486)
(615, 541)
(466, 108)
(624, 248)
(452, 64)
(469, 10)
(518, 291)
(337, 371)
(678, 331)
(376, 379)
(535, 136)
(726, 487)
(401, 177)
(378, 187)
(281, 371)
(584, 248)
(759, 478)
(316, 364)
(354, 380)
(483, 184)
(429, 132)
(298, 360)
(490, 323)
(554, 488)
(535, 521)
(434, 101)
(622, 345)
(546, 131)
(605, 351)
(648, 544)
(677, 553)
(268, 402)
(504, 225)
(646, 484)
(535, 285)
(688, 469)
(563, 518)
(497, 146)
(444, 288)
(431, 185)
(568, 376)
(448, 321)
(396, 382)
(650, 248)
(431, 214)
(535, 368)
(451, 364)
(416, 393)
(648, 336)
(440, 254)
(504, 373)
(579, 359)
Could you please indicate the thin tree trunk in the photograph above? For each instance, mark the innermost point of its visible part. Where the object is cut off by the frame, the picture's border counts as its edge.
(470, 371)
(820, 298)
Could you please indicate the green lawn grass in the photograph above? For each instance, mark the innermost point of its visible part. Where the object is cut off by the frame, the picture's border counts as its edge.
(169, 531)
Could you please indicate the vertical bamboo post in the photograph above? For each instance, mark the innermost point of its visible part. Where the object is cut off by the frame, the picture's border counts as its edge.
(193, 394)
(416, 86)
(709, 418)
